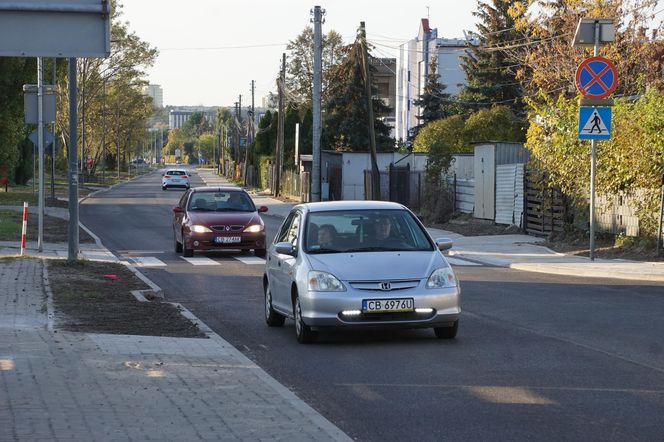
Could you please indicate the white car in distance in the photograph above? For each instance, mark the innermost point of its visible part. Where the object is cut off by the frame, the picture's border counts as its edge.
(175, 178)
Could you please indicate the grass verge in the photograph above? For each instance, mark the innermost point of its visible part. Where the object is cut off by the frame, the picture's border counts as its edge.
(87, 300)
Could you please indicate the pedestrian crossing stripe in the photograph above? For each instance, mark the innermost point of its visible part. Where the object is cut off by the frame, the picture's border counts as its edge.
(250, 259)
(201, 261)
(147, 261)
(595, 123)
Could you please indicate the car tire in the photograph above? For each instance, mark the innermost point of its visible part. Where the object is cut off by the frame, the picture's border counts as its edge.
(447, 332)
(260, 253)
(178, 245)
(186, 252)
(272, 318)
(164, 187)
(303, 332)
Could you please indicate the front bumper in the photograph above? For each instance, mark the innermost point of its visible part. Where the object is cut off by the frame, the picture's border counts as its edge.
(324, 309)
(206, 241)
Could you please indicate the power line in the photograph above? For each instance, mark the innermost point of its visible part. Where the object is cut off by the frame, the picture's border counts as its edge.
(218, 48)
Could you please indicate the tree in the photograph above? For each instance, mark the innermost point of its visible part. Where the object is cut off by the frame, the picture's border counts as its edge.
(15, 73)
(123, 76)
(345, 125)
(266, 136)
(547, 62)
(498, 123)
(196, 125)
(631, 159)
(300, 64)
(446, 133)
(176, 140)
(433, 100)
(490, 72)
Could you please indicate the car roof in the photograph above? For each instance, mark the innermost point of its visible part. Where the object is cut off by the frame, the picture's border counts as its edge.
(350, 205)
(218, 189)
(176, 170)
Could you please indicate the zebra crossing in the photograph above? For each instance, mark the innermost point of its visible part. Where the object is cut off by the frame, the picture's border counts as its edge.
(155, 262)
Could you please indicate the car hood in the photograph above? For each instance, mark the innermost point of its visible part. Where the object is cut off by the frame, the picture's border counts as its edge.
(372, 266)
(223, 218)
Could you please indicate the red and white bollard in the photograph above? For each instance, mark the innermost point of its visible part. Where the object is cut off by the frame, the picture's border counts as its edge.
(24, 232)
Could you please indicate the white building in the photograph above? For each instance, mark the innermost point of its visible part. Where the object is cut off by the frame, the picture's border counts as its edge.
(413, 67)
(157, 93)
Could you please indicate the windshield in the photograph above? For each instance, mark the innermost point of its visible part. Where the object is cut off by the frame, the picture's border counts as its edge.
(231, 201)
(364, 231)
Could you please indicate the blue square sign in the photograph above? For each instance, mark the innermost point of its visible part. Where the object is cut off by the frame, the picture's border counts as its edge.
(595, 123)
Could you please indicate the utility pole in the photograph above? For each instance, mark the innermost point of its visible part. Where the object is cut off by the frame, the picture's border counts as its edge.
(250, 137)
(318, 80)
(375, 174)
(103, 132)
(280, 127)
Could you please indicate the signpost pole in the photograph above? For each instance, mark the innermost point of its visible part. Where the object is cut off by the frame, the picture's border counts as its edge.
(593, 162)
(73, 166)
(40, 129)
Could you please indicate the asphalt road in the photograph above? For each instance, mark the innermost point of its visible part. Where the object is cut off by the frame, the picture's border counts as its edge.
(538, 357)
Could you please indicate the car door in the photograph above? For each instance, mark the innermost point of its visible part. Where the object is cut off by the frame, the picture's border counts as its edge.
(178, 217)
(273, 264)
(279, 264)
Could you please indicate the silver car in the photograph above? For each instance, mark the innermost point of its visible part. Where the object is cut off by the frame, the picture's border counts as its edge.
(175, 178)
(359, 264)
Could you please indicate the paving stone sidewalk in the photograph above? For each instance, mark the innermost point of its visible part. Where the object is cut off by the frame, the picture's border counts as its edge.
(57, 385)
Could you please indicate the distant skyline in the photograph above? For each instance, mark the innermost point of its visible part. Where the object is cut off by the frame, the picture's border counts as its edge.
(209, 50)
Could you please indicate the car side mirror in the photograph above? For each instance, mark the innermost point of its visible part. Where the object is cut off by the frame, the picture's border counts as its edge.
(444, 244)
(262, 209)
(285, 248)
(178, 209)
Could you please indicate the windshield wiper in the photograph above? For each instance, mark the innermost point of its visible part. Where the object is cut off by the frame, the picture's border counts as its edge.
(374, 249)
(324, 250)
(202, 209)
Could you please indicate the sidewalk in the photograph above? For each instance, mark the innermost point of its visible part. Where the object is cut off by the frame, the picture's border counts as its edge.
(57, 385)
(519, 252)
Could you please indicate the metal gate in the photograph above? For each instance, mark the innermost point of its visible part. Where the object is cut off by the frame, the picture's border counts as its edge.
(400, 184)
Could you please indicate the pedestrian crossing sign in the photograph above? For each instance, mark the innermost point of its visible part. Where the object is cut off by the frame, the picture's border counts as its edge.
(595, 123)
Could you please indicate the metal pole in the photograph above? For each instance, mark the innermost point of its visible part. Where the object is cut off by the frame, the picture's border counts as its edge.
(40, 132)
(593, 161)
(297, 147)
(661, 215)
(315, 191)
(55, 137)
(103, 133)
(73, 172)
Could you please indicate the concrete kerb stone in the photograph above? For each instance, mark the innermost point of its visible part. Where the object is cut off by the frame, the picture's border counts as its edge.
(50, 311)
(575, 269)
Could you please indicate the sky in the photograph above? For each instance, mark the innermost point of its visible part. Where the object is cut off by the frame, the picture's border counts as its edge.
(210, 50)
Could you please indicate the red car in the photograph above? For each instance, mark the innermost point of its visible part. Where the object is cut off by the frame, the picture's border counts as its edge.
(218, 218)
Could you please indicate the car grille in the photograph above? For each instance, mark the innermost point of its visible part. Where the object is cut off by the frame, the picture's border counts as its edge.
(232, 228)
(381, 287)
(387, 317)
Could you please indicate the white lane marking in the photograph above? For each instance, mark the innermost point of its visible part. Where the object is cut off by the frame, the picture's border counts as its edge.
(147, 261)
(202, 261)
(460, 262)
(250, 259)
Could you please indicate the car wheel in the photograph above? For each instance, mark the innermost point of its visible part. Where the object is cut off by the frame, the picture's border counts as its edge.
(260, 253)
(447, 332)
(272, 318)
(164, 187)
(303, 332)
(178, 245)
(186, 252)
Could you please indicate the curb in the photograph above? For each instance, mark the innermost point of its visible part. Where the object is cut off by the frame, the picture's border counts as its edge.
(554, 269)
(50, 310)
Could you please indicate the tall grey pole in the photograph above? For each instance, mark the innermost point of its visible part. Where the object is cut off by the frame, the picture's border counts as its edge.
(55, 131)
(593, 161)
(103, 132)
(40, 134)
(73, 172)
(661, 216)
(316, 130)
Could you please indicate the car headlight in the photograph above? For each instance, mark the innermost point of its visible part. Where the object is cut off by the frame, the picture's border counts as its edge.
(324, 282)
(254, 228)
(442, 278)
(200, 229)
